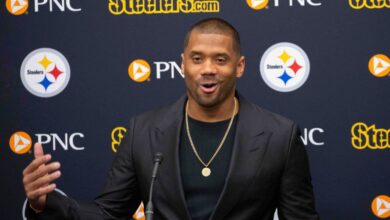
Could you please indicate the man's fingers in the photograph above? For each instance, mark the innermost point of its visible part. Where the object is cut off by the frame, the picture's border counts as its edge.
(32, 195)
(43, 181)
(42, 171)
(38, 150)
(36, 164)
(38, 177)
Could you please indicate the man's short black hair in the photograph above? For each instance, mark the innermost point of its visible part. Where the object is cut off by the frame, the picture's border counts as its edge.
(216, 26)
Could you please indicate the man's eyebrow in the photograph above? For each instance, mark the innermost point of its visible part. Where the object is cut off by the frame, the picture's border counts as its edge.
(217, 54)
(222, 55)
(195, 53)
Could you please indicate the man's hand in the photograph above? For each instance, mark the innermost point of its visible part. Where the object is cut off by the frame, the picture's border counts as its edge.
(38, 177)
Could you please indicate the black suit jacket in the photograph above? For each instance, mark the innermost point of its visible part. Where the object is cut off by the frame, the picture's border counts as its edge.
(269, 169)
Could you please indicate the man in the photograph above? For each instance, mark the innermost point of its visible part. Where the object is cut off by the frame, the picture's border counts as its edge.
(224, 158)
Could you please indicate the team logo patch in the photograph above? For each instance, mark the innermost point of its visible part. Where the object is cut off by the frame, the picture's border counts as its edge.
(284, 67)
(45, 72)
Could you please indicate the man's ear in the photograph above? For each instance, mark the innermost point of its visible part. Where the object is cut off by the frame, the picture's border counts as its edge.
(240, 67)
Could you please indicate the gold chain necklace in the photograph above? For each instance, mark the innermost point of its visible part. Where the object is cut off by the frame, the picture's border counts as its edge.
(206, 170)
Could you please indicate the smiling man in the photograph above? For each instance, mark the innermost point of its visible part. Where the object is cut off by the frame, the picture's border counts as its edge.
(224, 157)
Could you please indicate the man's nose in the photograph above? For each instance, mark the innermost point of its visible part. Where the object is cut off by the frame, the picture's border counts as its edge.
(209, 67)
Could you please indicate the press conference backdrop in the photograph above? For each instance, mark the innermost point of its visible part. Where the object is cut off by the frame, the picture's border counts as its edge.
(73, 72)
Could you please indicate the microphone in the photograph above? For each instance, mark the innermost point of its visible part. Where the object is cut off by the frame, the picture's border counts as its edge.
(158, 158)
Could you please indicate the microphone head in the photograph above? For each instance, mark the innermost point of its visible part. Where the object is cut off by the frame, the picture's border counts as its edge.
(158, 157)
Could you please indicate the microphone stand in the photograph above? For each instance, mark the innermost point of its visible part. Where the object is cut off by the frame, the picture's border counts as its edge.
(158, 157)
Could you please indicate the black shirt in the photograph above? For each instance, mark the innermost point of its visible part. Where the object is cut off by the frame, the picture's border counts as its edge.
(202, 193)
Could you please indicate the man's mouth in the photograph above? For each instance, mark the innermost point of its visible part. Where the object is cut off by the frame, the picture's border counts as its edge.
(208, 88)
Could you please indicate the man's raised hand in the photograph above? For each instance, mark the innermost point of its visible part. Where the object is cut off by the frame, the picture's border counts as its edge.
(38, 178)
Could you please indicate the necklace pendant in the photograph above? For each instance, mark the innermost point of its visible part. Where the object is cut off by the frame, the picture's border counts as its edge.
(206, 172)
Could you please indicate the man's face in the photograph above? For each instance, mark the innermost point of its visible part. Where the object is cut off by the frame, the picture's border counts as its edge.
(211, 66)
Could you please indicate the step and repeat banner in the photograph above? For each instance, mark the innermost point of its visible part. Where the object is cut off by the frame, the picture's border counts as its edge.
(72, 73)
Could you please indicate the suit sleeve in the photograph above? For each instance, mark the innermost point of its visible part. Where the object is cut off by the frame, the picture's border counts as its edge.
(296, 198)
(118, 200)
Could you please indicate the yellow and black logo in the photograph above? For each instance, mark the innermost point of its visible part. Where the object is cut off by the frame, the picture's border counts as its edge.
(364, 136)
(369, 4)
(117, 135)
(137, 7)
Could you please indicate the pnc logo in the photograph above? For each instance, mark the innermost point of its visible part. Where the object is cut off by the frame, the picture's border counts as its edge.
(140, 71)
(380, 206)
(379, 65)
(284, 67)
(257, 4)
(20, 142)
(45, 72)
(137, 7)
(16, 7)
(117, 135)
(310, 136)
(364, 136)
(139, 214)
(260, 4)
(370, 4)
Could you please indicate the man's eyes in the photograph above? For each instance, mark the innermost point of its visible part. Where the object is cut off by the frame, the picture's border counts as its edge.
(196, 59)
(221, 60)
(217, 60)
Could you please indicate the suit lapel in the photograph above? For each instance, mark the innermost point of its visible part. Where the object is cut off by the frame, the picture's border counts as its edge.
(250, 143)
(165, 137)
